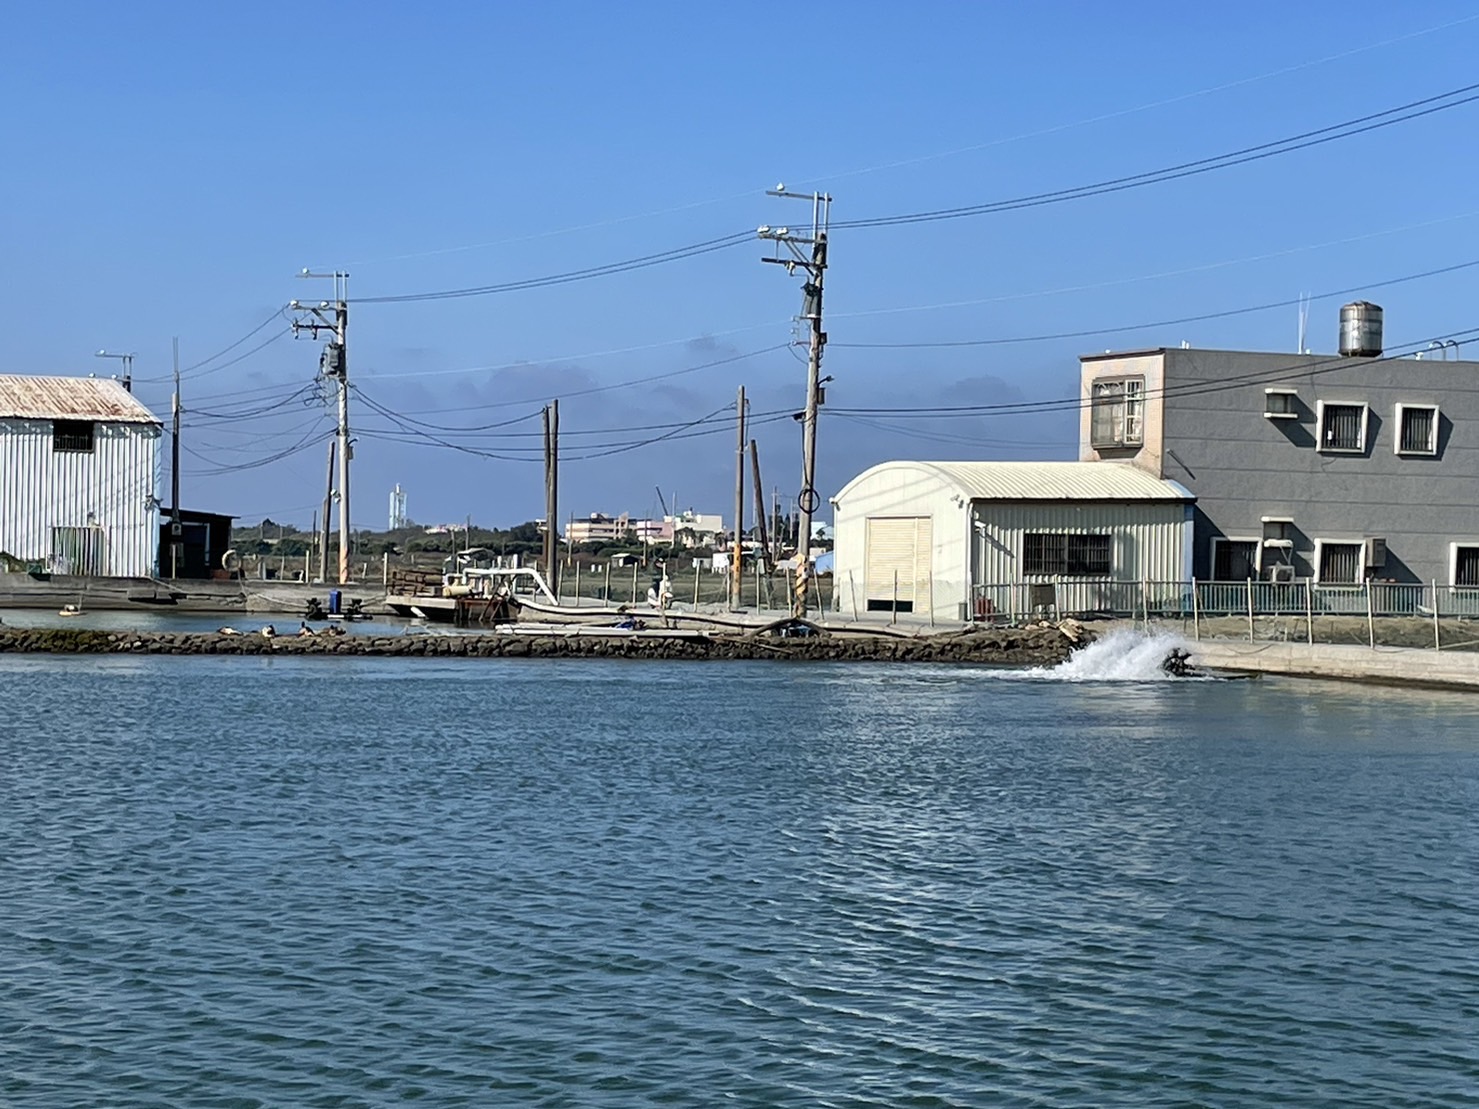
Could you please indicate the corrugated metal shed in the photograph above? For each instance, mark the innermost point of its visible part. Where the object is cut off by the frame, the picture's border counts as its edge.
(70, 398)
(921, 537)
(81, 501)
(1035, 481)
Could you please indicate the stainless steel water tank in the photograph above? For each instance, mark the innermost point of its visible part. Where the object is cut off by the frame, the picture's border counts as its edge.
(1360, 330)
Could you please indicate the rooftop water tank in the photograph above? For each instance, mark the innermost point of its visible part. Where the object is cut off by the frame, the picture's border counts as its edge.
(1360, 330)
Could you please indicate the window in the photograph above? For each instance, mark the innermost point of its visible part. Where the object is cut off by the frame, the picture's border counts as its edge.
(1465, 565)
(1072, 556)
(1338, 563)
(1280, 404)
(1417, 429)
(1342, 427)
(72, 435)
(1234, 559)
(1118, 413)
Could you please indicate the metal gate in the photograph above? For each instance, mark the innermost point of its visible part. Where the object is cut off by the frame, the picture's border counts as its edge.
(82, 551)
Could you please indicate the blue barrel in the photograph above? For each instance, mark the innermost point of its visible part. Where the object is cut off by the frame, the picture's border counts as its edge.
(335, 599)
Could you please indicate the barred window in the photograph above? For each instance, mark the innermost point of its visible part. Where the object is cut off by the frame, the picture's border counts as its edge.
(1340, 563)
(1234, 559)
(73, 436)
(1073, 556)
(1466, 566)
(1342, 427)
(1417, 429)
(1117, 413)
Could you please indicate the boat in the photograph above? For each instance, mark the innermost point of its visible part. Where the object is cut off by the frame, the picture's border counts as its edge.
(471, 588)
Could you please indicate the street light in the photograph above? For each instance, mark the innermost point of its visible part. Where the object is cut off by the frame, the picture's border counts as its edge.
(128, 367)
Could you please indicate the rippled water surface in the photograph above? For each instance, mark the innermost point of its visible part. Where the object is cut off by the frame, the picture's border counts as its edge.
(337, 882)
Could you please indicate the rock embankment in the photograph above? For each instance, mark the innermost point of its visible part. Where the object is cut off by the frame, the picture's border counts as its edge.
(1035, 646)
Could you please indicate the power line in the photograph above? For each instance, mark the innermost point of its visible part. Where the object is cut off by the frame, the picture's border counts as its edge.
(1389, 117)
(593, 390)
(227, 350)
(1319, 367)
(1118, 329)
(676, 254)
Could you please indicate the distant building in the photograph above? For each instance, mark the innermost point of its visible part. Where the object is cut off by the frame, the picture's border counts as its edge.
(599, 528)
(695, 529)
(686, 529)
(79, 464)
(398, 517)
(960, 539)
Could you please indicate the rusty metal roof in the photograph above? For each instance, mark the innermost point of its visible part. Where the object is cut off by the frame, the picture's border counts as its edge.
(70, 398)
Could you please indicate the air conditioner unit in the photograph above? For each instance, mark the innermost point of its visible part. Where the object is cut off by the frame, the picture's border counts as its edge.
(1376, 554)
(1281, 572)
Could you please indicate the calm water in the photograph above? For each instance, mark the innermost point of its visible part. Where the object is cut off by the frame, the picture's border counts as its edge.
(336, 882)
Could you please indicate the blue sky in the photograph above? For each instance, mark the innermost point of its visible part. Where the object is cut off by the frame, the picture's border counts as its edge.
(168, 169)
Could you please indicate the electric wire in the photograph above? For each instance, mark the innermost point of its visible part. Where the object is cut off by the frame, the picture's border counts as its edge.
(1121, 328)
(645, 261)
(1317, 368)
(1403, 113)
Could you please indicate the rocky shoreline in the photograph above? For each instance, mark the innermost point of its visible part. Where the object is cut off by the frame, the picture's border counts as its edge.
(1034, 646)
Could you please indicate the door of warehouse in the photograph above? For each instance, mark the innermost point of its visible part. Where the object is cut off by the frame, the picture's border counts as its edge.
(897, 551)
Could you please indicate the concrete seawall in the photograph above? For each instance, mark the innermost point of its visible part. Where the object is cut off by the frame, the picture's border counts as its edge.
(1015, 647)
(1390, 665)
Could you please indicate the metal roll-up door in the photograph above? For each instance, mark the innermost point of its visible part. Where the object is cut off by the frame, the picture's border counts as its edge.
(898, 550)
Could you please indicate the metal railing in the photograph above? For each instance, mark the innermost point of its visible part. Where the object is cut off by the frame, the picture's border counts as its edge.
(1298, 605)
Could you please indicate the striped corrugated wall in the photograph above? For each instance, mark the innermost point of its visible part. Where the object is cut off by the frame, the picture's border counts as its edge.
(1148, 538)
(112, 488)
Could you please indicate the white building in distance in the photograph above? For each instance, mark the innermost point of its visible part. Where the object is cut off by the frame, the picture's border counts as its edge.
(963, 540)
(79, 466)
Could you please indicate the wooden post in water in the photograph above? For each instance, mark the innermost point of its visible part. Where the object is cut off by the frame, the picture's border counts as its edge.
(1196, 612)
(696, 578)
(894, 619)
(634, 583)
(1437, 631)
(577, 577)
(606, 589)
(1309, 610)
(1370, 617)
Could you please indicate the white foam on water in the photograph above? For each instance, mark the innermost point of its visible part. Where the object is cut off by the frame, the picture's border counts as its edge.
(1121, 656)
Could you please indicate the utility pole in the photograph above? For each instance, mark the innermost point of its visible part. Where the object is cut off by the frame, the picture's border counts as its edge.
(175, 530)
(764, 536)
(333, 318)
(323, 545)
(814, 265)
(551, 494)
(736, 578)
(128, 367)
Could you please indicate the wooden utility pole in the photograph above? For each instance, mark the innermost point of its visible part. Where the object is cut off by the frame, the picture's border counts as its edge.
(815, 268)
(323, 541)
(551, 494)
(175, 529)
(735, 576)
(764, 536)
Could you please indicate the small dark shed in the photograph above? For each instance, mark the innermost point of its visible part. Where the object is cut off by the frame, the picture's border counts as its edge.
(204, 538)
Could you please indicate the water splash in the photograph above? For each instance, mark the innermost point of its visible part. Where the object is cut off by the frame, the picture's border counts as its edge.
(1121, 656)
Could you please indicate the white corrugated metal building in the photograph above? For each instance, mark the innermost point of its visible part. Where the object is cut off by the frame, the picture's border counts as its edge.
(79, 466)
(944, 538)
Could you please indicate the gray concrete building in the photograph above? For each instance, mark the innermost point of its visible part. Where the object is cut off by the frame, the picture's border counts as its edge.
(1333, 468)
